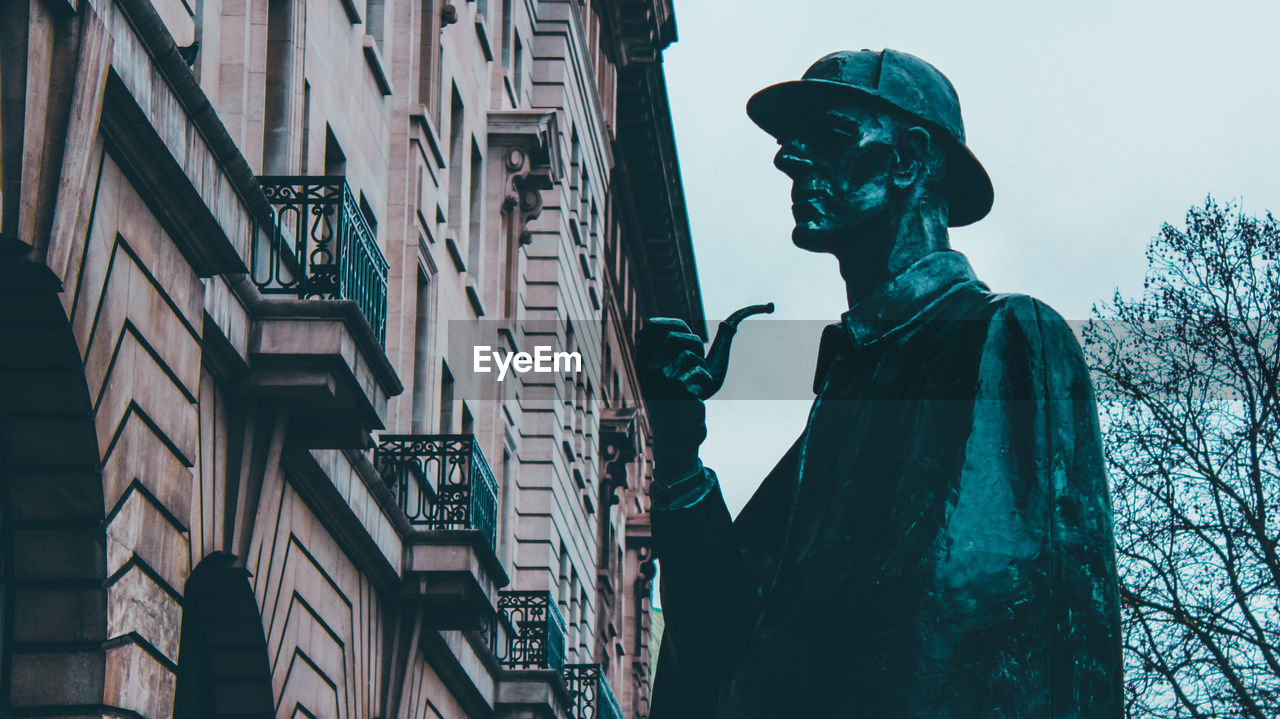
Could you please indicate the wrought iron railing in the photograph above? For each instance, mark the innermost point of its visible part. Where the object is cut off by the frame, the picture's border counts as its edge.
(534, 631)
(590, 692)
(441, 481)
(320, 246)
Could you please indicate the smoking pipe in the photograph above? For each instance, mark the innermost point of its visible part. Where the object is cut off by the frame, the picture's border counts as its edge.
(717, 361)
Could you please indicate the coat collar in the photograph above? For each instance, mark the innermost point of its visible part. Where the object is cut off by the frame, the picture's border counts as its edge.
(902, 299)
(894, 306)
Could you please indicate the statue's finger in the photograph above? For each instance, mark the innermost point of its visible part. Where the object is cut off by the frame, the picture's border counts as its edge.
(676, 342)
(661, 357)
(680, 366)
(697, 381)
(651, 337)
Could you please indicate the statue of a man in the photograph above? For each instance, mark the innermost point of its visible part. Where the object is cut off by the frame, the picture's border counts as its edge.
(937, 543)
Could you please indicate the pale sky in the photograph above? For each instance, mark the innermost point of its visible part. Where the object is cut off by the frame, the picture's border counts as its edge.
(1097, 121)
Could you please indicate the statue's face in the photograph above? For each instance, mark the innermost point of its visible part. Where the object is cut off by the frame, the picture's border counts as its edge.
(839, 163)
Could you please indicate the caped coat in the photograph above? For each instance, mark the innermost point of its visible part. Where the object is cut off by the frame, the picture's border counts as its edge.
(937, 543)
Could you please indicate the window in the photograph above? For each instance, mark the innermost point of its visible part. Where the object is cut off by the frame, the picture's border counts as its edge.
(421, 355)
(507, 29)
(367, 211)
(518, 70)
(457, 148)
(304, 158)
(279, 86)
(511, 270)
(475, 230)
(593, 36)
(564, 580)
(335, 161)
(438, 75)
(507, 516)
(584, 630)
(605, 529)
(446, 399)
(575, 151)
(575, 613)
(428, 57)
(375, 23)
(593, 236)
(420, 199)
(468, 421)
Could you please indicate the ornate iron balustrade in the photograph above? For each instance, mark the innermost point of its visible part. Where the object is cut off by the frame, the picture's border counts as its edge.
(441, 481)
(535, 631)
(589, 689)
(321, 246)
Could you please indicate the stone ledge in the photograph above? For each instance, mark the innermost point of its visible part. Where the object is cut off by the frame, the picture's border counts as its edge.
(532, 694)
(465, 666)
(337, 489)
(373, 57)
(322, 357)
(456, 573)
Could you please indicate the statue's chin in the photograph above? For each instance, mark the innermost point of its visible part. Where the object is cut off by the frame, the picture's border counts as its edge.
(813, 240)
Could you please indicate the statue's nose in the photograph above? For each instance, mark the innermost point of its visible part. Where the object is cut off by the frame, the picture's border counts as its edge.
(792, 159)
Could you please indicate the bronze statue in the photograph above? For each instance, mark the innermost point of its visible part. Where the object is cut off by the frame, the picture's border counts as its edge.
(937, 542)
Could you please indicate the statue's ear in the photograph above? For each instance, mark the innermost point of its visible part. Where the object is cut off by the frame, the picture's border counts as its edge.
(909, 156)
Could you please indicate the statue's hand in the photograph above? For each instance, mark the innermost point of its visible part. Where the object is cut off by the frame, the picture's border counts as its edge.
(673, 375)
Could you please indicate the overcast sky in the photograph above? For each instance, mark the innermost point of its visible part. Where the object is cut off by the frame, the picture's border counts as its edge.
(1097, 121)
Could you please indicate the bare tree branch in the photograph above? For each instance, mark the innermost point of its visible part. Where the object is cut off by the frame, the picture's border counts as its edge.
(1187, 382)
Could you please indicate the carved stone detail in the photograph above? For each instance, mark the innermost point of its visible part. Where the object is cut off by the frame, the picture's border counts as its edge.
(619, 445)
(525, 141)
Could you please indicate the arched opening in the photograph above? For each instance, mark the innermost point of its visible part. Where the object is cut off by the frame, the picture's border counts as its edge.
(223, 669)
(53, 603)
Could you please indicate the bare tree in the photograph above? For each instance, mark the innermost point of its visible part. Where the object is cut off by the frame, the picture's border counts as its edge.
(1186, 377)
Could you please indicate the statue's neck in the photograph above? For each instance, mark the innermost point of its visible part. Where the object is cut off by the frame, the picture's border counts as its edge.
(878, 256)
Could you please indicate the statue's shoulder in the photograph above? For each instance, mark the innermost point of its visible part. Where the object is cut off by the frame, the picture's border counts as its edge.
(974, 301)
(1023, 309)
(1021, 321)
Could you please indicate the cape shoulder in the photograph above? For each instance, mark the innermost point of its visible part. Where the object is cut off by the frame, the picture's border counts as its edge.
(1024, 329)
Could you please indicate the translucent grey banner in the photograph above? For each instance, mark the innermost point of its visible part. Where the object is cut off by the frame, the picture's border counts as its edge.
(930, 360)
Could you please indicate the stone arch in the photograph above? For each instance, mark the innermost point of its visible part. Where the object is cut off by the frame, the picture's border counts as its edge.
(52, 658)
(223, 667)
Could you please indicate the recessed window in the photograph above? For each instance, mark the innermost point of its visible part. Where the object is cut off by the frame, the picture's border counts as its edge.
(475, 230)
(281, 53)
(374, 21)
(421, 355)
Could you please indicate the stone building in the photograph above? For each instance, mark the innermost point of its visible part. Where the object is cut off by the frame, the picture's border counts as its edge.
(248, 249)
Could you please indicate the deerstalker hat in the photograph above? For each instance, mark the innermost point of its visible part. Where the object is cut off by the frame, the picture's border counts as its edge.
(894, 80)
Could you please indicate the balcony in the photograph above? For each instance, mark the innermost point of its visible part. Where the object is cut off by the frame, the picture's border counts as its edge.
(441, 481)
(528, 638)
(321, 247)
(324, 360)
(446, 490)
(533, 630)
(589, 690)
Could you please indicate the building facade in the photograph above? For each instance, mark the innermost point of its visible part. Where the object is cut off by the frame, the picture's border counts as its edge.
(249, 252)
